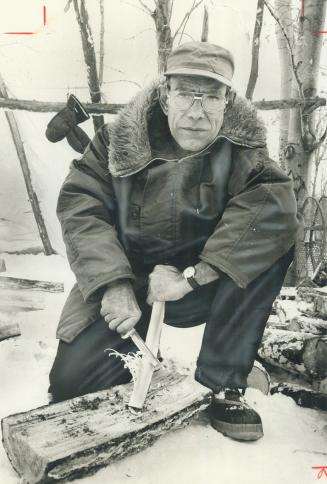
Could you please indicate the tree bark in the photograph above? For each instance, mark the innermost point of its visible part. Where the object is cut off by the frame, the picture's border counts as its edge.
(161, 17)
(284, 13)
(89, 57)
(30, 284)
(48, 107)
(301, 128)
(205, 25)
(255, 50)
(13, 301)
(297, 352)
(76, 437)
(317, 302)
(308, 325)
(101, 56)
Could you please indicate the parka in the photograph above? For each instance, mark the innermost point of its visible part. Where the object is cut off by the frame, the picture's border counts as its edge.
(128, 204)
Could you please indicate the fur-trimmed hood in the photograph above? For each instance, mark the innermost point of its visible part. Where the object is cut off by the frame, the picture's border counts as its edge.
(130, 149)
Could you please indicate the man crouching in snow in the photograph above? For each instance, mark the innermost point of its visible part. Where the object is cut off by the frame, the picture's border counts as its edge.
(176, 201)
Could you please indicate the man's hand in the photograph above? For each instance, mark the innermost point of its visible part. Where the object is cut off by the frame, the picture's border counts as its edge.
(166, 283)
(119, 307)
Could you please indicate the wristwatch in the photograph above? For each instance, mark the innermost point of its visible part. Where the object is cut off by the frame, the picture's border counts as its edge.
(189, 275)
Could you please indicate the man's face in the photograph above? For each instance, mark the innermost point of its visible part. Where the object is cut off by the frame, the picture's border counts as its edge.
(194, 128)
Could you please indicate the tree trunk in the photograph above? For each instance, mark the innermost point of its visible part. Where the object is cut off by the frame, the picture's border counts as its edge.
(161, 17)
(205, 25)
(89, 57)
(301, 128)
(297, 352)
(101, 55)
(76, 437)
(284, 13)
(255, 50)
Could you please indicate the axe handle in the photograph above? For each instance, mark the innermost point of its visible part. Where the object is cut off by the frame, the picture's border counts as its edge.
(146, 368)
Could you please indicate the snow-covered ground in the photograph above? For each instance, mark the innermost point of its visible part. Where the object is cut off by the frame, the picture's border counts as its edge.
(295, 438)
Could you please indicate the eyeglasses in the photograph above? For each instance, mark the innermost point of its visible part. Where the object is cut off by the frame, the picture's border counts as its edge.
(184, 100)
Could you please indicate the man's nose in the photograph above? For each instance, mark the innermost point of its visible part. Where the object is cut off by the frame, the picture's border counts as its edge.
(196, 110)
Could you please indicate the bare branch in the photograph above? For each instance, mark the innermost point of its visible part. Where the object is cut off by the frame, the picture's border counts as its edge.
(124, 80)
(139, 33)
(135, 6)
(294, 65)
(146, 8)
(171, 10)
(186, 19)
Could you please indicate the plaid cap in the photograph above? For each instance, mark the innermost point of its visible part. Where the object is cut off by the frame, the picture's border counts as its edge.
(202, 59)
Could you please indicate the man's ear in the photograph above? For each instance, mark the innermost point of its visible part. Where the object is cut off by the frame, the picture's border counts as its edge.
(163, 97)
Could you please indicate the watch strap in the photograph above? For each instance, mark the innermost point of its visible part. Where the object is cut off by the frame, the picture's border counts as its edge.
(193, 283)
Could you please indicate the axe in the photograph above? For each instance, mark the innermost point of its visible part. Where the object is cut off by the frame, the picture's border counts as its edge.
(149, 348)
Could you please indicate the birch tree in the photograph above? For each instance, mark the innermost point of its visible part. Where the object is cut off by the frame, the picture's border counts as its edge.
(304, 59)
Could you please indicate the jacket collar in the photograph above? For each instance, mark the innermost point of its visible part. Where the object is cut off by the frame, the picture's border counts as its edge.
(133, 129)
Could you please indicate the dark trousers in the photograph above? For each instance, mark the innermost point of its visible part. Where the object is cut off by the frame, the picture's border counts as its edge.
(235, 320)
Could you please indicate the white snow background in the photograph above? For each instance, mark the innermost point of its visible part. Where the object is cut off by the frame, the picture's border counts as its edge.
(48, 66)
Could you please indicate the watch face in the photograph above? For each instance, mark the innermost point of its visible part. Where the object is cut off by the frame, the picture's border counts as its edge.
(189, 272)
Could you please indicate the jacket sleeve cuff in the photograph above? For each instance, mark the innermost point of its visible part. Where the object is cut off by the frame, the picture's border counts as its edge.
(94, 293)
(222, 265)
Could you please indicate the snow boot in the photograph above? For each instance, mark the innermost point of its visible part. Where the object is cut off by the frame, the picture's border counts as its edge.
(233, 417)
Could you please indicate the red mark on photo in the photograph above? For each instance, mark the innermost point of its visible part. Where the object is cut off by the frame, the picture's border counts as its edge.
(32, 33)
(322, 471)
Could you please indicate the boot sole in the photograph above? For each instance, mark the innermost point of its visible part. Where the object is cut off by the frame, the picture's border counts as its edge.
(241, 432)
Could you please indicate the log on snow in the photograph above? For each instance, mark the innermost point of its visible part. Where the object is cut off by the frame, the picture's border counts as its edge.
(75, 438)
(302, 353)
(13, 301)
(316, 299)
(34, 285)
(308, 325)
(302, 396)
(9, 330)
